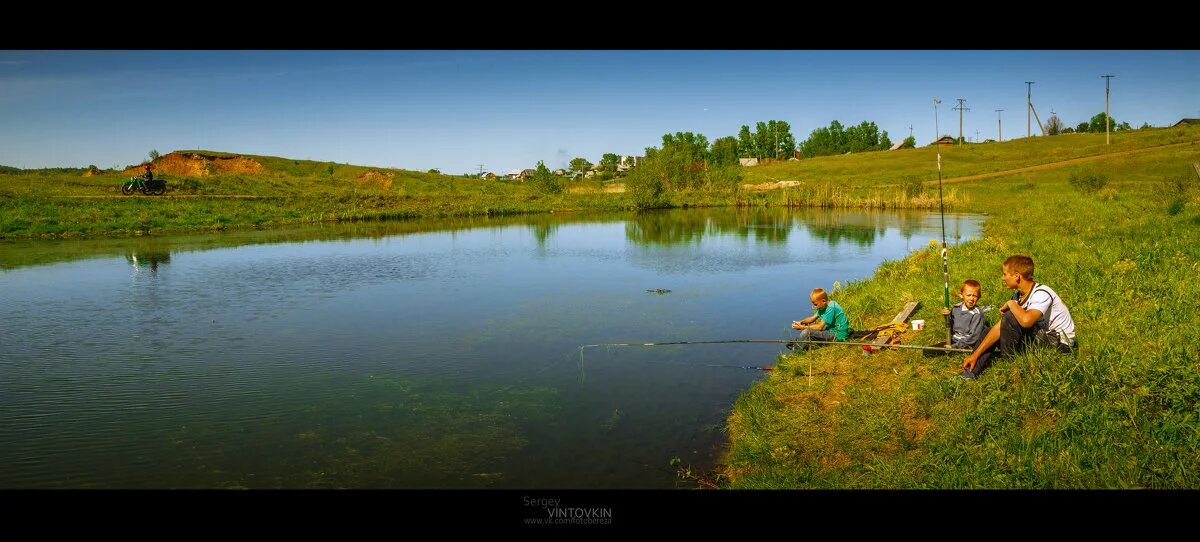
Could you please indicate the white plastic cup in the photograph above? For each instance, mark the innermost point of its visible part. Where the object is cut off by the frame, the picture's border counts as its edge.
(918, 325)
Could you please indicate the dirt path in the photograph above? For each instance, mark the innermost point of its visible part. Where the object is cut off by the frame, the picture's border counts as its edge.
(1039, 167)
(1053, 165)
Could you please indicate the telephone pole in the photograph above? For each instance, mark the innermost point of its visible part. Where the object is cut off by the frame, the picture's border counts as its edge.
(960, 109)
(999, 127)
(1107, 117)
(1028, 107)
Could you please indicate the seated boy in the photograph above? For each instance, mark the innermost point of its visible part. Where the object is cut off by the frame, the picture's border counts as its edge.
(965, 321)
(1034, 314)
(830, 322)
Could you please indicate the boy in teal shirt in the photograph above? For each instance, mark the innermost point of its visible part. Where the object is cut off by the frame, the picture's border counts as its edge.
(830, 322)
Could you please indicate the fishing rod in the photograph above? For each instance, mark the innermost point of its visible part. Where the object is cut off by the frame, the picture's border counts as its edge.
(942, 210)
(793, 341)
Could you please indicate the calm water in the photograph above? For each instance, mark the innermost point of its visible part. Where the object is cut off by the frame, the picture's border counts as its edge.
(409, 354)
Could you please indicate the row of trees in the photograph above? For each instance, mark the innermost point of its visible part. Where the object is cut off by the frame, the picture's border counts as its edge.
(838, 140)
(608, 163)
(1055, 126)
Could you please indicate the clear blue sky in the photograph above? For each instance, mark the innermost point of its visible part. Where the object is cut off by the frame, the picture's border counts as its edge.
(454, 110)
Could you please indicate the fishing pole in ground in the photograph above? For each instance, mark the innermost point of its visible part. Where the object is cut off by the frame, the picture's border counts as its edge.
(942, 210)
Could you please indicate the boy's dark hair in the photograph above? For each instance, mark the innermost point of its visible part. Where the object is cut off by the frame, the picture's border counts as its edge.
(1023, 265)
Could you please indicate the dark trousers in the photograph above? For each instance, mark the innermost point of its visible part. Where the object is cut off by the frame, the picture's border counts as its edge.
(1014, 339)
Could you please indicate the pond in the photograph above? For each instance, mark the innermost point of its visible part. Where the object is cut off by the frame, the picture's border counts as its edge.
(411, 354)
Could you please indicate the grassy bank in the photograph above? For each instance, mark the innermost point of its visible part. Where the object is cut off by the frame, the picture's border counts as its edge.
(1120, 242)
(64, 203)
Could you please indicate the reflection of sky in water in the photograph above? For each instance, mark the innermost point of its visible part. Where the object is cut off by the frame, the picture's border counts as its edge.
(316, 363)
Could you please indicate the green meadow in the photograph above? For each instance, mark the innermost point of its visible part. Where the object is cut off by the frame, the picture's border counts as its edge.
(1118, 239)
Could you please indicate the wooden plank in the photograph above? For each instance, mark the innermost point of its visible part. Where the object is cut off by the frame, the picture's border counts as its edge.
(901, 316)
(907, 311)
(1196, 166)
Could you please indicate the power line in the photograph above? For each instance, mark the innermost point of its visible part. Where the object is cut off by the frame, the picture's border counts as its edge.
(960, 109)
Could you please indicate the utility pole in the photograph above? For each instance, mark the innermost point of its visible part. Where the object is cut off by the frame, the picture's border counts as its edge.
(480, 170)
(1107, 117)
(960, 109)
(999, 127)
(909, 130)
(1028, 107)
(776, 141)
(977, 135)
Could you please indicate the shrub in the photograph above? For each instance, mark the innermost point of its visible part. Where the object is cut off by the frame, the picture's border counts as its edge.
(545, 182)
(913, 186)
(1089, 182)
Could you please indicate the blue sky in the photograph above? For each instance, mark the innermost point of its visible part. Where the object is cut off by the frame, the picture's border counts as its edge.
(455, 110)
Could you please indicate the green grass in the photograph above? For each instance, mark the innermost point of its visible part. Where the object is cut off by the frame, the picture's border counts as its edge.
(870, 170)
(1124, 412)
(59, 202)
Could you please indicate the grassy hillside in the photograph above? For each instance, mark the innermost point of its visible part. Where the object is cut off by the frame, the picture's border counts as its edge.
(41, 203)
(864, 171)
(1119, 240)
(210, 190)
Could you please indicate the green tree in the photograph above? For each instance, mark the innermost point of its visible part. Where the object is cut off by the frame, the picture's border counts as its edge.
(787, 142)
(645, 184)
(885, 142)
(544, 182)
(863, 137)
(1054, 125)
(154, 154)
(688, 146)
(910, 142)
(1097, 123)
(609, 162)
(819, 143)
(725, 151)
(680, 164)
(764, 144)
(745, 143)
(837, 134)
(1082, 128)
(580, 165)
(1124, 126)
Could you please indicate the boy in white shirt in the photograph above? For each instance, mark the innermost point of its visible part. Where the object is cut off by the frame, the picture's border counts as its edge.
(1034, 314)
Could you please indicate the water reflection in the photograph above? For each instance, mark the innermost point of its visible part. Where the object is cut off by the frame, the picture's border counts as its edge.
(147, 259)
(774, 226)
(756, 226)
